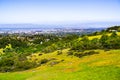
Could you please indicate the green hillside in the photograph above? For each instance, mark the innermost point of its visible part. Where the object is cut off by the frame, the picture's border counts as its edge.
(102, 66)
(68, 57)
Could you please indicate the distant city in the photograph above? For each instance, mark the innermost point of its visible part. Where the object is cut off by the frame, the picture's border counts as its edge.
(42, 29)
(54, 29)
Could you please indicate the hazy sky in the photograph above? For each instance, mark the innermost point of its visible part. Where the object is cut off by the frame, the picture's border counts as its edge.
(58, 11)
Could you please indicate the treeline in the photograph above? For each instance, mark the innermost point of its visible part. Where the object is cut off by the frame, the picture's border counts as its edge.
(62, 43)
(14, 50)
(105, 42)
(113, 28)
(105, 31)
(12, 61)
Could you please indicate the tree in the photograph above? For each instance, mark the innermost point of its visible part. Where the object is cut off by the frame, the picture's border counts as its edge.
(103, 40)
(114, 34)
(95, 44)
(85, 43)
(113, 41)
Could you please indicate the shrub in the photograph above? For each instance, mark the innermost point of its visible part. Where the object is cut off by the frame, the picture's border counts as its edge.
(5, 69)
(43, 61)
(85, 54)
(53, 63)
(24, 65)
(39, 54)
(70, 53)
(59, 52)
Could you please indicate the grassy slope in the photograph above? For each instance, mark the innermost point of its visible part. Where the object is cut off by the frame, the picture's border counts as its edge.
(99, 36)
(103, 66)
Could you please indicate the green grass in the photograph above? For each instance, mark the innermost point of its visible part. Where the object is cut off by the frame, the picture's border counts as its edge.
(99, 36)
(102, 66)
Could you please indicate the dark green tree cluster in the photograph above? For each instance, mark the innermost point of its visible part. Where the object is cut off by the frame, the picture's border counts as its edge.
(105, 42)
(61, 43)
(113, 28)
(14, 42)
(11, 61)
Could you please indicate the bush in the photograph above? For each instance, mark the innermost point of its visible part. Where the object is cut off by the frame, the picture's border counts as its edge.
(85, 54)
(24, 65)
(53, 63)
(90, 53)
(43, 61)
(59, 52)
(5, 69)
(70, 53)
(11, 61)
(39, 54)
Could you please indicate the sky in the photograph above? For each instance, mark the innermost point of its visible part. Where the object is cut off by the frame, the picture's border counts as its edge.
(59, 11)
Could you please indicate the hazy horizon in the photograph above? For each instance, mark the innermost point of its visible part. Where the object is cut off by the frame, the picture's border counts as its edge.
(71, 25)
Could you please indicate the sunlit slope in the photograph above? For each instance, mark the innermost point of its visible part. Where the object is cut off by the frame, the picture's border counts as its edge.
(99, 36)
(102, 66)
